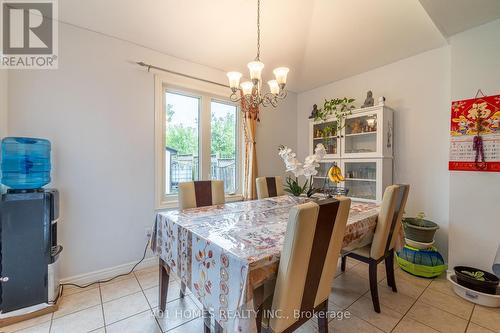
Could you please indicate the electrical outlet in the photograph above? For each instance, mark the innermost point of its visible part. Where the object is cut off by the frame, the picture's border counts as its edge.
(148, 232)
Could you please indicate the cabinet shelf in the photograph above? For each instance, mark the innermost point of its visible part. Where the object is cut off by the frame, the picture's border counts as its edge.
(326, 137)
(353, 179)
(361, 179)
(362, 133)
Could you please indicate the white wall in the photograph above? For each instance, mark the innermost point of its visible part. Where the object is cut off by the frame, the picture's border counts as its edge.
(98, 111)
(277, 127)
(3, 102)
(474, 196)
(417, 88)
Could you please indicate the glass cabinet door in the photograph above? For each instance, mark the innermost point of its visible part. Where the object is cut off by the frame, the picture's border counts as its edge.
(326, 133)
(361, 179)
(321, 181)
(360, 135)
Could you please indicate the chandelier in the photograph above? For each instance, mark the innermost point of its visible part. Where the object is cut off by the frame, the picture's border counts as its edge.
(252, 91)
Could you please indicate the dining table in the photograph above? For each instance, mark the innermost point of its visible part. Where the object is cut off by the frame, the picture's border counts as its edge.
(224, 253)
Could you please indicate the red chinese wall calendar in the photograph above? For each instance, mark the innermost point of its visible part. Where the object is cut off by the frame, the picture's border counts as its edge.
(463, 129)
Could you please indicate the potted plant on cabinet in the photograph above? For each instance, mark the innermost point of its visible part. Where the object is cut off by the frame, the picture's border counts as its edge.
(340, 107)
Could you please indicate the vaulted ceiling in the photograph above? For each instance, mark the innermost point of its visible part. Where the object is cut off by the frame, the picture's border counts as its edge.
(320, 40)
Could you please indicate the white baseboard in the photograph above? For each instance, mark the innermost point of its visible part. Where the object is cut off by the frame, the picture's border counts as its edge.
(107, 273)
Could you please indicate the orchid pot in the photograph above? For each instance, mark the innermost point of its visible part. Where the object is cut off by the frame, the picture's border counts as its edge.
(293, 186)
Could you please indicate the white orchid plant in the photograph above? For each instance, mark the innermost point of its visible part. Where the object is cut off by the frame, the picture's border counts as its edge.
(307, 169)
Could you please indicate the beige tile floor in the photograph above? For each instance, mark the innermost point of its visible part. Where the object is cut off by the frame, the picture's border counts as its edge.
(128, 305)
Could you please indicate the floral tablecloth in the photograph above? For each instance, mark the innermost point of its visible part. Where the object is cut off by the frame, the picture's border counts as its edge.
(224, 252)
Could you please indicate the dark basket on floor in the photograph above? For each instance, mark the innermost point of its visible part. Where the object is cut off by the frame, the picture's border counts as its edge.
(488, 286)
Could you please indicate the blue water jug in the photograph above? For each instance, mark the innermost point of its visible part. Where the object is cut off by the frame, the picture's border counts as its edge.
(25, 163)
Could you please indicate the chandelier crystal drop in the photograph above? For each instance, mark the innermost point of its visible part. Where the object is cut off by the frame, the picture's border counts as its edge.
(252, 91)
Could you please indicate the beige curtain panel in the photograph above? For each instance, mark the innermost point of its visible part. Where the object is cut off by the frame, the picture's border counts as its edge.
(250, 119)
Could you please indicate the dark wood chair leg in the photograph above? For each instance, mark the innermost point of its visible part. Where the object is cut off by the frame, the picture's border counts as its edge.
(258, 301)
(218, 328)
(389, 270)
(323, 318)
(182, 293)
(373, 285)
(163, 289)
(258, 319)
(342, 263)
(206, 321)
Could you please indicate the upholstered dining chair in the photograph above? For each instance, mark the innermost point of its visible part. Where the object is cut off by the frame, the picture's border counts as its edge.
(269, 187)
(382, 245)
(307, 266)
(199, 194)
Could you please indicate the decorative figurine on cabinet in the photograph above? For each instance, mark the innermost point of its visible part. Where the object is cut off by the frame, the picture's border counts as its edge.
(369, 101)
(314, 112)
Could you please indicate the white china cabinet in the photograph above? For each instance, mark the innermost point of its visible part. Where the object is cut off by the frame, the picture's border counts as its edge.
(363, 149)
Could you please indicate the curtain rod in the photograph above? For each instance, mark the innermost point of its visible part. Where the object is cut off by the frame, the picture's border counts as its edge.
(140, 63)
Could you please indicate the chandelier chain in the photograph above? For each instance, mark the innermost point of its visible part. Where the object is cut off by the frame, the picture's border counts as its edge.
(258, 31)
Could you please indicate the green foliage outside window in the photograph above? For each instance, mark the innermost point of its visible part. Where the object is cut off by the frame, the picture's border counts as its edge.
(223, 135)
(184, 138)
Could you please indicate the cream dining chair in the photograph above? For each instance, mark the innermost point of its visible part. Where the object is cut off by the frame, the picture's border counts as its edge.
(382, 245)
(199, 194)
(269, 187)
(307, 266)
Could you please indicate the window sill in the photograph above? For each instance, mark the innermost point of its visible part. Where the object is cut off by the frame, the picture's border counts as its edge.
(234, 197)
(174, 204)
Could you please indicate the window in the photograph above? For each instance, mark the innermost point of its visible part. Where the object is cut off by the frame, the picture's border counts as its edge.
(224, 144)
(182, 114)
(197, 137)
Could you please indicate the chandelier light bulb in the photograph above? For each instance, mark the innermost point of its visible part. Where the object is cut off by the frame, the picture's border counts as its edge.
(255, 68)
(247, 87)
(274, 87)
(234, 79)
(280, 73)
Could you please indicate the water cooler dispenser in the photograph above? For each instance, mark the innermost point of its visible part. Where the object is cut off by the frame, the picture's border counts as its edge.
(28, 227)
(29, 250)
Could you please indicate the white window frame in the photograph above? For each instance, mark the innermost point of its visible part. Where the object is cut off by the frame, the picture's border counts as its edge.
(207, 93)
